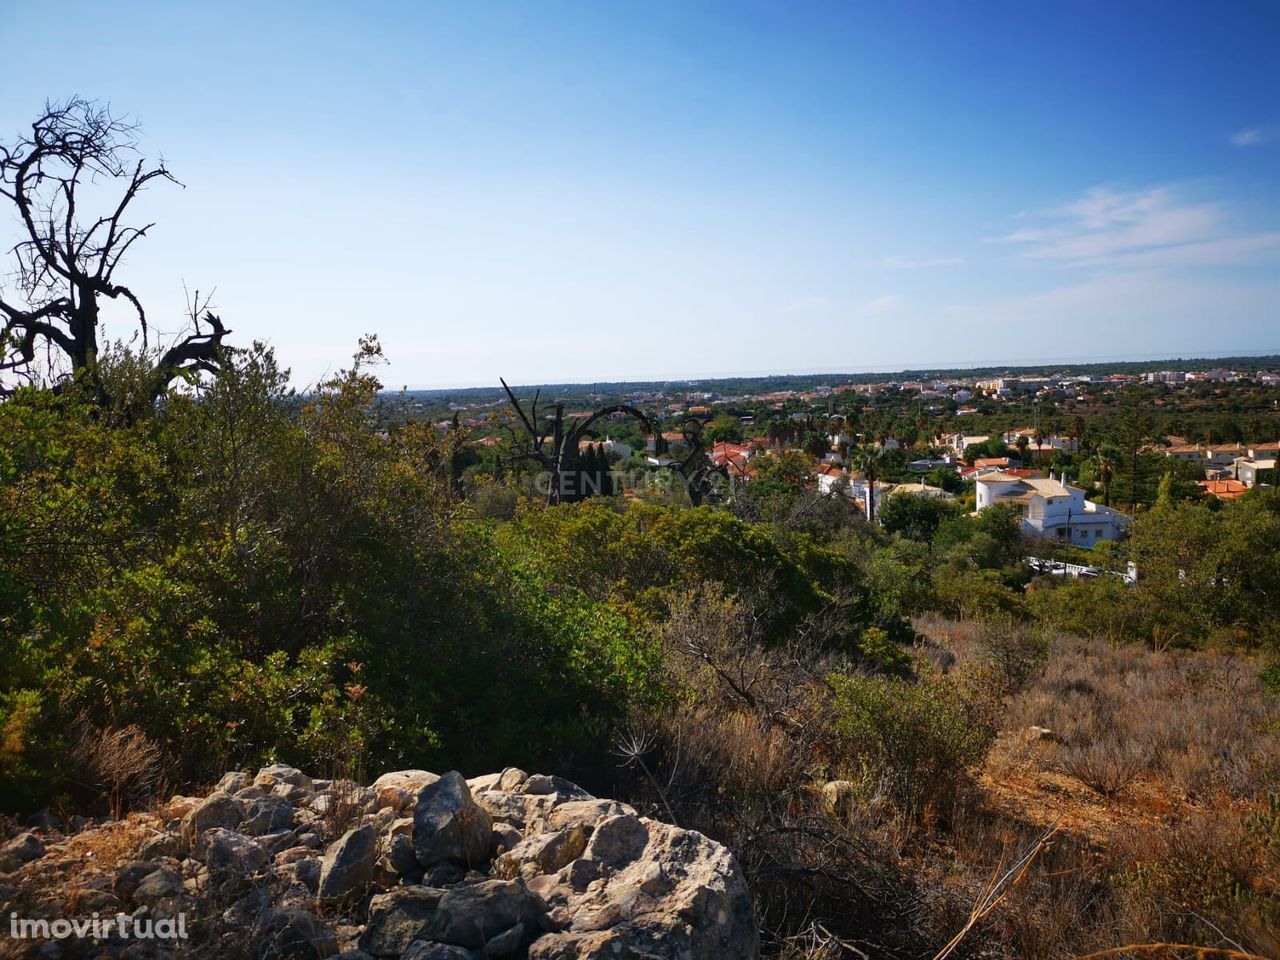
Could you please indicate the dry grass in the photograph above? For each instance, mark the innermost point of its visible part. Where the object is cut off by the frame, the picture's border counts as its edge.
(1198, 721)
(1155, 766)
(119, 764)
(77, 862)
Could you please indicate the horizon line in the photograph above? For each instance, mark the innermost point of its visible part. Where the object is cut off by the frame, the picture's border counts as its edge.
(760, 374)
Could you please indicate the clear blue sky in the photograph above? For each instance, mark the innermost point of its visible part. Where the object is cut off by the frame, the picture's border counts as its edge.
(595, 190)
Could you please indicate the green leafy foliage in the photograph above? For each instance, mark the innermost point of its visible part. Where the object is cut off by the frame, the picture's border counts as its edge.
(913, 739)
(249, 574)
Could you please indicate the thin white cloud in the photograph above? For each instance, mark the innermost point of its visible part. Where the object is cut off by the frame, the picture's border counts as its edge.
(1151, 227)
(879, 306)
(1252, 136)
(907, 263)
(805, 304)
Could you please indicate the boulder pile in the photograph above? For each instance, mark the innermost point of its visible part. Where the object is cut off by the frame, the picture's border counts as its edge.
(416, 866)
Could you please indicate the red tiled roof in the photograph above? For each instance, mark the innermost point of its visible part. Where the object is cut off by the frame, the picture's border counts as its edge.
(1227, 489)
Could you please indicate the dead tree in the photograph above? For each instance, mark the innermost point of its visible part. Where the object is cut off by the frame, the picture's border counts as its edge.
(552, 444)
(696, 470)
(74, 235)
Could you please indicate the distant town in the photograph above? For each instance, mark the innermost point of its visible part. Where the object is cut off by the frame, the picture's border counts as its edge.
(1075, 453)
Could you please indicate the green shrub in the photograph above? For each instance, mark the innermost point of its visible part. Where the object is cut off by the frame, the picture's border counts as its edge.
(915, 739)
(245, 576)
(1270, 677)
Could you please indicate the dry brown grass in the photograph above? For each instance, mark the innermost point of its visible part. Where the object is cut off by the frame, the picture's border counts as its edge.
(120, 764)
(1162, 768)
(1198, 721)
(74, 864)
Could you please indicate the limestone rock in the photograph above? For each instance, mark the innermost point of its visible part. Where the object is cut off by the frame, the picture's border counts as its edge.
(27, 847)
(480, 784)
(505, 837)
(395, 798)
(573, 877)
(177, 808)
(509, 779)
(400, 855)
(644, 888)
(266, 815)
(839, 797)
(129, 874)
(232, 856)
(294, 934)
(448, 825)
(410, 780)
(586, 812)
(216, 810)
(279, 773)
(160, 884)
(233, 780)
(398, 918)
(482, 917)
(541, 783)
(421, 950)
(544, 853)
(347, 866)
(96, 901)
(164, 844)
(510, 808)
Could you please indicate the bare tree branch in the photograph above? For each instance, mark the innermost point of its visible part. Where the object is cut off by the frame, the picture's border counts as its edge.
(66, 264)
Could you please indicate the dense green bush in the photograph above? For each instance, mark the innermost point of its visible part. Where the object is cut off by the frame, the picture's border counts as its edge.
(913, 739)
(247, 574)
(633, 556)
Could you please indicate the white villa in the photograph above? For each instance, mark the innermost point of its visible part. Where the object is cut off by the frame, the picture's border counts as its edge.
(1051, 509)
(1252, 470)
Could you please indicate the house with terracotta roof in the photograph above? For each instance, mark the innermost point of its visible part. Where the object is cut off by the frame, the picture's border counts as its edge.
(733, 457)
(922, 489)
(1051, 509)
(1024, 473)
(1225, 489)
(828, 476)
(1209, 454)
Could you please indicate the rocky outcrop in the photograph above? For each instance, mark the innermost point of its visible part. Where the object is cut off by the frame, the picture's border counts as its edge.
(415, 866)
(347, 867)
(20, 850)
(448, 825)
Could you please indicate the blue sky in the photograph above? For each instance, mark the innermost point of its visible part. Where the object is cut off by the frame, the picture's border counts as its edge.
(583, 191)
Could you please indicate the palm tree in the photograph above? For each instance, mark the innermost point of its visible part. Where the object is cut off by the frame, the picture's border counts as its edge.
(774, 432)
(1105, 464)
(1075, 431)
(1022, 444)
